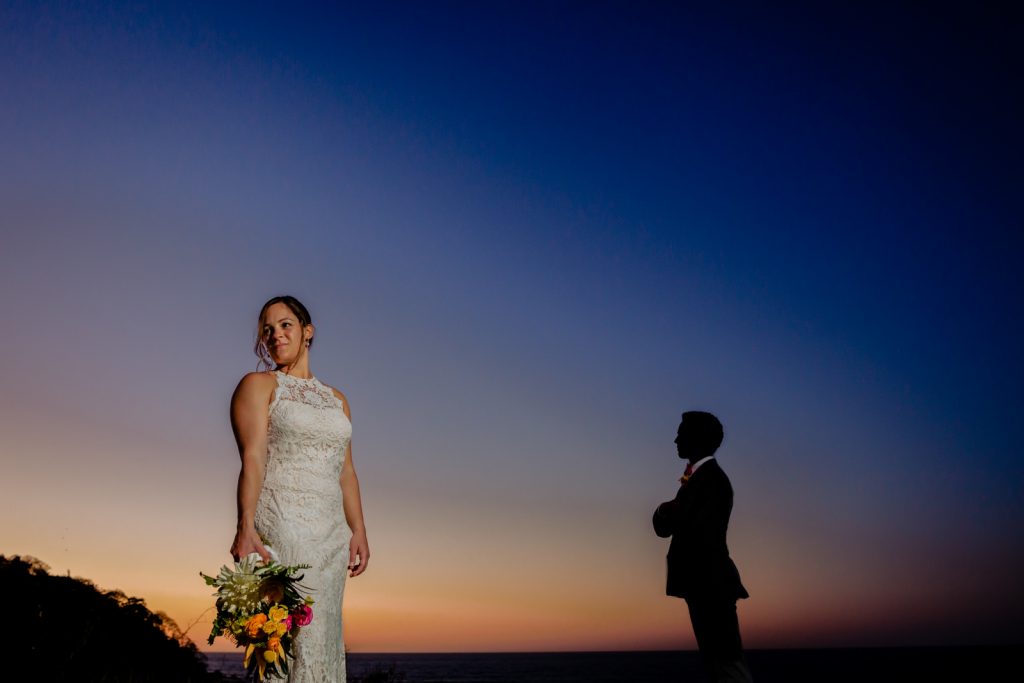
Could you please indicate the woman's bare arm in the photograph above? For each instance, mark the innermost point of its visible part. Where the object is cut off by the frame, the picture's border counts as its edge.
(249, 421)
(358, 548)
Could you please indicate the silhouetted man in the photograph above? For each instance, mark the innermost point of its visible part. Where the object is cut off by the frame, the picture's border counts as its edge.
(699, 567)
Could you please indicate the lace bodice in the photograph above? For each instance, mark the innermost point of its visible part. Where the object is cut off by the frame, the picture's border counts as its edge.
(309, 391)
(308, 433)
(300, 513)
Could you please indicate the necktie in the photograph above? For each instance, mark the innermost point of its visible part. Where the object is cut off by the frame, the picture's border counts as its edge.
(688, 473)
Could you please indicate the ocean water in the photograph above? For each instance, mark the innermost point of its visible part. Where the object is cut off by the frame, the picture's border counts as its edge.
(854, 665)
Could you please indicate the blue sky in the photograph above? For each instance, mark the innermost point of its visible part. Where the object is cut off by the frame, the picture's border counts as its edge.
(530, 235)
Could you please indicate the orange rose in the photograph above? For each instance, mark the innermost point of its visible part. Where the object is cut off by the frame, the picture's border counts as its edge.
(255, 625)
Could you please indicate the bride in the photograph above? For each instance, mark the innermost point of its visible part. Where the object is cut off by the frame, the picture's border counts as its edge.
(297, 489)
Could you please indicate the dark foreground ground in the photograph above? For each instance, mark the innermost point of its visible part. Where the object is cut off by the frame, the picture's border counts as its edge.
(860, 665)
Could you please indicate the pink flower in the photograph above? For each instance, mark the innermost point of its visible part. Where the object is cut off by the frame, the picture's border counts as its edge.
(287, 622)
(303, 615)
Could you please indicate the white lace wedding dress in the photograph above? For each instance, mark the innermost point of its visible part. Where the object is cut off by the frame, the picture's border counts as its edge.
(300, 514)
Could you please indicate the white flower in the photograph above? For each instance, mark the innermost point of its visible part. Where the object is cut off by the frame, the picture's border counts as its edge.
(238, 589)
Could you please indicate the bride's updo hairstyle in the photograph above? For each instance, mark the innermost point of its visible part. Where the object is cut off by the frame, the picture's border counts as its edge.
(296, 307)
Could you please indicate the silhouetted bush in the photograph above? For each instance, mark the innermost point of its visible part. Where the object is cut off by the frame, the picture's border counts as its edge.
(65, 629)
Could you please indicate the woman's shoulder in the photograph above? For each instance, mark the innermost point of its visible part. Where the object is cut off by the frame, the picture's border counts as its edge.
(256, 382)
(255, 389)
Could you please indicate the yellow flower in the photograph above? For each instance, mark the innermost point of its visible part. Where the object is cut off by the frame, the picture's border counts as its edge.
(270, 628)
(278, 613)
(248, 653)
(274, 645)
(281, 629)
(255, 624)
(270, 656)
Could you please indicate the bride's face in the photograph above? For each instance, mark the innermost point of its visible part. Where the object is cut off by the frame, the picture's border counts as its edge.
(284, 335)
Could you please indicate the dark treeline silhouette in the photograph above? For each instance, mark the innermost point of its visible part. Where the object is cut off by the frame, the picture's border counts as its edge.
(66, 629)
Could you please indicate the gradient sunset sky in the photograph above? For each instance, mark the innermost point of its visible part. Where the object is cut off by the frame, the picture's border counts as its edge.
(530, 235)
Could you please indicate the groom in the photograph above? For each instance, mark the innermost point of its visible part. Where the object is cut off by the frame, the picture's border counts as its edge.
(699, 567)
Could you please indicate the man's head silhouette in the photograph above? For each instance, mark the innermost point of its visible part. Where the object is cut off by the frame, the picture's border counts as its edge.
(700, 434)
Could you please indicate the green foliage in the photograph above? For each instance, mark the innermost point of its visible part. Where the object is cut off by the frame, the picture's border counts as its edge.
(66, 629)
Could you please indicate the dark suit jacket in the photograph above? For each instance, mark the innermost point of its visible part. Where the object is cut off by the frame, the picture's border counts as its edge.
(699, 566)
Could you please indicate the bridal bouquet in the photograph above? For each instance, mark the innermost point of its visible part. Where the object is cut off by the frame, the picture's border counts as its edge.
(260, 608)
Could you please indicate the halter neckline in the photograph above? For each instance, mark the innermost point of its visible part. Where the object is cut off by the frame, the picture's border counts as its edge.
(301, 379)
